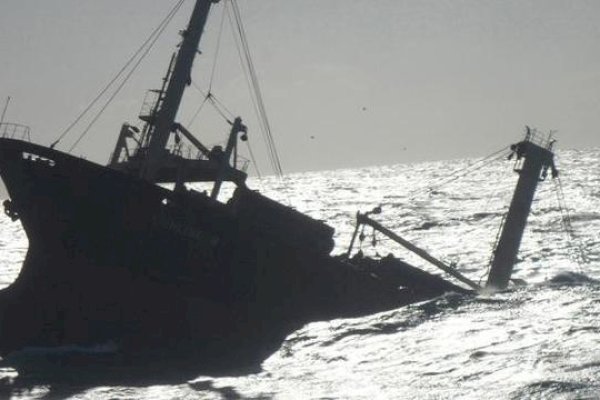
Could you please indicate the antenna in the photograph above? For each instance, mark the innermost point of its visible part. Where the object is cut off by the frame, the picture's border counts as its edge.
(4, 111)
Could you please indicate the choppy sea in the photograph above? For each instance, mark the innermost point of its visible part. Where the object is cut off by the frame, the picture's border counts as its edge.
(537, 341)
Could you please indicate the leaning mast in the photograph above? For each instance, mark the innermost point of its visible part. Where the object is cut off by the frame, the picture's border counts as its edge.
(180, 79)
(537, 158)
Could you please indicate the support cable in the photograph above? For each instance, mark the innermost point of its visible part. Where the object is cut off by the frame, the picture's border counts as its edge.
(198, 111)
(209, 97)
(217, 104)
(256, 91)
(244, 70)
(220, 110)
(227, 115)
(150, 40)
(4, 110)
(127, 77)
(462, 172)
(494, 247)
(216, 60)
(577, 252)
(254, 161)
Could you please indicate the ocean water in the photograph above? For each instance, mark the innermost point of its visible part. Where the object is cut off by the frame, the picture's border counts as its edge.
(537, 341)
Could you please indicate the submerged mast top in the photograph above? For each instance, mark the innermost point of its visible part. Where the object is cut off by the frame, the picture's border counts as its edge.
(180, 78)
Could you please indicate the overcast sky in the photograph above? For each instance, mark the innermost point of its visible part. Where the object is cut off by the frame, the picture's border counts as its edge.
(346, 82)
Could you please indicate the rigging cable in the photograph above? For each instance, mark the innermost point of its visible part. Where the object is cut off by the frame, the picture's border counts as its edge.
(462, 172)
(212, 74)
(214, 67)
(217, 104)
(253, 160)
(494, 247)
(220, 109)
(576, 250)
(143, 50)
(244, 50)
(4, 110)
(221, 106)
(198, 111)
(227, 115)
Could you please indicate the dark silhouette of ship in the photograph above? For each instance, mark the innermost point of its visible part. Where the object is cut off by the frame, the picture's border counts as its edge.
(175, 273)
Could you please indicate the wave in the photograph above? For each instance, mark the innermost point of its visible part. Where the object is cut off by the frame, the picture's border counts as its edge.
(585, 216)
(425, 226)
(543, 389)
(484, 215)
(569, 278)
(403, 319)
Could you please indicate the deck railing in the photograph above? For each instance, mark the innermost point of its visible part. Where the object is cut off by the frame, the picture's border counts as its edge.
(149, 106)
(15, 131)
(543, 140)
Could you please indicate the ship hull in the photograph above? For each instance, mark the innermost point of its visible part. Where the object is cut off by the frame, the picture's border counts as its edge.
(113, 258)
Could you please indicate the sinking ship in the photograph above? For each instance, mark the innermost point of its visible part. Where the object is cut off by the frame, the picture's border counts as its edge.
(116, 256)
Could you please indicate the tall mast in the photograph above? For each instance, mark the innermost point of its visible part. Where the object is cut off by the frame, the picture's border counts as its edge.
(537, 159)
(180, 79)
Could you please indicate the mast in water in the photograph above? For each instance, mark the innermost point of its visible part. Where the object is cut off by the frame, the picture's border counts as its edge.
(180, 79)
(536, 159)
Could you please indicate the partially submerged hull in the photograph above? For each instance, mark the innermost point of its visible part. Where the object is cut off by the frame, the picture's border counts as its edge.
(113, 258)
